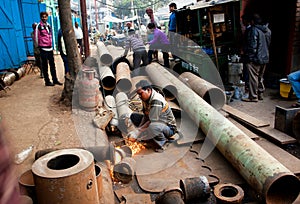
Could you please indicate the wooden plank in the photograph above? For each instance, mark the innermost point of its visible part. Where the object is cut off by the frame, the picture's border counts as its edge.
(289, 161)
(244, 129)
(234, 113)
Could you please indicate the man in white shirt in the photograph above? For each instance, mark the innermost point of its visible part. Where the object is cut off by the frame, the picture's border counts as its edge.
(79, 36)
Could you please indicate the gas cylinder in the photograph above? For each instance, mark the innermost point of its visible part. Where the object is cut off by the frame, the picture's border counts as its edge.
(88, 91)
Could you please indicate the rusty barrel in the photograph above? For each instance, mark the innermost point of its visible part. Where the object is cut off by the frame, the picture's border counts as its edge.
(195, 188)
(66, 176)
(88, 90)
(228, 193)
(27, 186)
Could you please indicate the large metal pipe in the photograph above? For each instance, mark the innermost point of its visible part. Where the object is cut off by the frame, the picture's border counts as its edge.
(122, 104)
(168, 88)
(273, 181)
(103, 54)
(212, 94)
(110, 103)
(108, 80)
(123, 78)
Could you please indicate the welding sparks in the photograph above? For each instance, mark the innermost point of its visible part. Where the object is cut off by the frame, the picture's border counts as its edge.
(135, 146)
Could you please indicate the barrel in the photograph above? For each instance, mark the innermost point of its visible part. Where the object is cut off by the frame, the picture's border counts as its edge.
(66, 176)
(88, 91)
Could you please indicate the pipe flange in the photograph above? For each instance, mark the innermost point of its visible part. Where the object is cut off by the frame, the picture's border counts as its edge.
(228, 193)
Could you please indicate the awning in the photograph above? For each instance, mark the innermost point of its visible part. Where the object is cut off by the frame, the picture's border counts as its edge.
(112, 19)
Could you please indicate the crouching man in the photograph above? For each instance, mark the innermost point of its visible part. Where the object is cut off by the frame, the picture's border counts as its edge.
(157, 120)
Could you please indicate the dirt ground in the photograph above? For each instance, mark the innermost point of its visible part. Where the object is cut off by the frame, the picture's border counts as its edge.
(34, 116)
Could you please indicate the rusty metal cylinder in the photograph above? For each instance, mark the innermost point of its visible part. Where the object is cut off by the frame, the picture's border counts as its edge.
(9, 78)
(124, 170)
(166, 86)
(212, 94)
(171, 196)
(21, 72)
(98, 172)
(195, 189)
(104, 56)
(108, 80)
(110, 104)
(27, 186)
(66, 176)
(88, 90)
(271, 179)
(123, 78)
(228, 193)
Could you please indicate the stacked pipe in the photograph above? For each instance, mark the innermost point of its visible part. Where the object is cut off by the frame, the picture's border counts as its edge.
(105, 59)
(123, 77)
(273, 181)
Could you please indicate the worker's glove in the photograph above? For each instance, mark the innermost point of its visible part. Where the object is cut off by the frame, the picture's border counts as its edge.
(133, 135)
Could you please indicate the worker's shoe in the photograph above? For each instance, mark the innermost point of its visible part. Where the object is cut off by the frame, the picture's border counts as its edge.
(250, 99)
(49, 84)
(260, 96)
(57, 83)
(173, 138)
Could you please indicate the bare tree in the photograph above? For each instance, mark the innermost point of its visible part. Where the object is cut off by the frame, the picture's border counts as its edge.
(74, 58)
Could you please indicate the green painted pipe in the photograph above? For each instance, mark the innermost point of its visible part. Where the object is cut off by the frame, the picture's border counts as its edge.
(273, 181)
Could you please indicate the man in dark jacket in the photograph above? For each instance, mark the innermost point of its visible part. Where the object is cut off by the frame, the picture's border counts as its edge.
(257, 56)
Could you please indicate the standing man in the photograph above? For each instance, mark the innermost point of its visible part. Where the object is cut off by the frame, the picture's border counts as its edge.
(257, 56)
(157, 119)
(79, 36)
(43, 38)
(159, 42)
(172, 28)
(139, 50)
(36, 50)
(62, 50)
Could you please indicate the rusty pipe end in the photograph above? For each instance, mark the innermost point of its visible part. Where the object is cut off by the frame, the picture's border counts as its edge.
(106, 59)
(108, 83)
(124, 85)
(284, 188)
(170, 92)
(215, 97)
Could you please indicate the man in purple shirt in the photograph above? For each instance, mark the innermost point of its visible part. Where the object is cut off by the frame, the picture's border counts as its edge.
(159, 42)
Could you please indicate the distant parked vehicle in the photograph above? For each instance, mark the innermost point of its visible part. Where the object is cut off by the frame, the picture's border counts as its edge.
(118, 40)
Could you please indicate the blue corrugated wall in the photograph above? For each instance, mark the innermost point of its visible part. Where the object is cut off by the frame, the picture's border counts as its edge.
(17, 17)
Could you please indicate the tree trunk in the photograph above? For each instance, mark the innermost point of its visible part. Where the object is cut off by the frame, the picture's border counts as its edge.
(74, 58)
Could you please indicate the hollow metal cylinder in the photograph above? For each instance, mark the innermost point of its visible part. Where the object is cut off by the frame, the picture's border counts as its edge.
(110, 103)
(170, 197)
(195, 189)
(27, 185)
(212, 94)
(98, 172)
(228, 193)
(66, 176)
(108, 80)
(123, 78)
(122, 103)
(124, 170)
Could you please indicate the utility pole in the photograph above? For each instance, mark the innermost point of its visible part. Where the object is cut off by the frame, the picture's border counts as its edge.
(84, 28)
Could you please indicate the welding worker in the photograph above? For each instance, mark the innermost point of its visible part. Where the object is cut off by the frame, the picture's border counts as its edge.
(157, 120)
